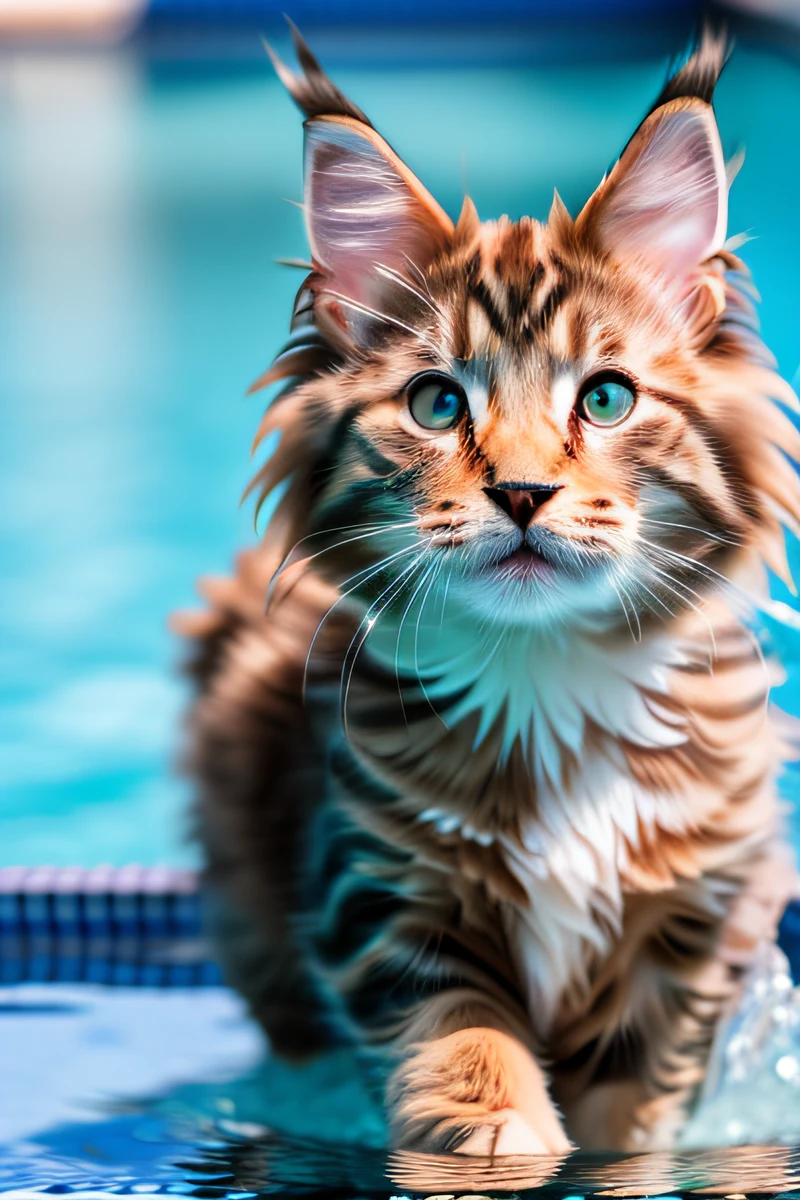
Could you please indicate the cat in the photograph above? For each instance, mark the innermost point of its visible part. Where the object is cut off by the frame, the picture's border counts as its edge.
(484, 756)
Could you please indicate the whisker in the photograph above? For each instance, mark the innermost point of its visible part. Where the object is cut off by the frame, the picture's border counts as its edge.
(714, 537)
(384, 317)
(749, 603)
(640, 584)
(703, 616)
(408, 608)
(695, 565)
(396, 277)
(439, 565)
(370, 621)
(443, 598)
(618, 590)
(633, 610)
(373, 530)
(420, 274)
(360, 578)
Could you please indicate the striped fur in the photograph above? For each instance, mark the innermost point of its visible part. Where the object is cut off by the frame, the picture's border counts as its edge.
(515, 829)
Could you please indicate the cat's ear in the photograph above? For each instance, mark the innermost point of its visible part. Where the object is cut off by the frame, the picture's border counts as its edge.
(368, 217)
(665, 202)
(369, 220)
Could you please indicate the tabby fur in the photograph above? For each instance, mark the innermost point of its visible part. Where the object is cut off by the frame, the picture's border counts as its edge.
(518, 832)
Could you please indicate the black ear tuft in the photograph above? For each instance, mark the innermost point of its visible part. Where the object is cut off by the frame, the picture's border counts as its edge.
(699, 74)
(312, 91)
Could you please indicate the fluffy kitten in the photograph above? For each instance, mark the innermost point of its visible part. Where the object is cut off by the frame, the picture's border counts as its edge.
(486, 768)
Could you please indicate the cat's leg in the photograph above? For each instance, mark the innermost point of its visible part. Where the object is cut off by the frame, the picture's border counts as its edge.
(640, 1051)
(633, 1062)
(470, 1086)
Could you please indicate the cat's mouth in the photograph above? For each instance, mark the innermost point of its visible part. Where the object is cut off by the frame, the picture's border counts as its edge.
(543, 557)
(524, 563)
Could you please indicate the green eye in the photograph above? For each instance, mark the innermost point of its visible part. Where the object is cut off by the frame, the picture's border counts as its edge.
(607, 402)
(436, 402)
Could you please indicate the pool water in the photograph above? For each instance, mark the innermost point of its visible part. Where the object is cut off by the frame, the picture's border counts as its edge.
(125, 1067)
(128, 1092)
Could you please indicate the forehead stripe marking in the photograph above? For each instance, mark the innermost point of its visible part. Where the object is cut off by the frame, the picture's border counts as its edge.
(480, 293)
(549, 304)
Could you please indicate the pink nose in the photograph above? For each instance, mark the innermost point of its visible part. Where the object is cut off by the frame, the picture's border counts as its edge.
(521, 500)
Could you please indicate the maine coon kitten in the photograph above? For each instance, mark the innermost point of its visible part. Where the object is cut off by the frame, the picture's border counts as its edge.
(486, 768)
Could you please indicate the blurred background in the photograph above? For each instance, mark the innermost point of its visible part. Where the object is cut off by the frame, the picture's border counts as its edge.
(146, 156)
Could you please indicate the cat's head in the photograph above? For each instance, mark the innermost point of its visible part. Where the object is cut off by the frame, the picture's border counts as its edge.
(574, 417)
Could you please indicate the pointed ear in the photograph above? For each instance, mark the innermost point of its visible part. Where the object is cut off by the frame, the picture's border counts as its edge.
(666, 201)
(367, 216)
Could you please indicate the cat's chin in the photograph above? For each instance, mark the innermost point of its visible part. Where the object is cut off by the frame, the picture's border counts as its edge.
(525, 589)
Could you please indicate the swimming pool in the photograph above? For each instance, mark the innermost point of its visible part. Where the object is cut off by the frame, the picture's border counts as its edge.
(131, 1090)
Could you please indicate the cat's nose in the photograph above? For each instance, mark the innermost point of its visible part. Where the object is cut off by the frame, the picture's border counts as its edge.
(521, 500)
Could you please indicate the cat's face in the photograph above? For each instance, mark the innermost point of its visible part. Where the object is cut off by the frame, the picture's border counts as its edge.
(539, 439)
(544, 420)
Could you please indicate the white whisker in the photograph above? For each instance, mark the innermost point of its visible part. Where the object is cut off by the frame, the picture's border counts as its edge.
(357, 580)
(396, 277)
(438, 565)
(384, 317)
(406, 611)
(373, 528)
(619, 592)
(714, 537)
(369, 620)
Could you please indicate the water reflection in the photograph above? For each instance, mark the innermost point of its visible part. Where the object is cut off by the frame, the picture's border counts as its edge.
(744, 1169)
(273, 1165)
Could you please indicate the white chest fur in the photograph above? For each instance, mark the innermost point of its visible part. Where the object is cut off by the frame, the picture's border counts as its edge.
(569, 860)
(541, 683)
(544, 686)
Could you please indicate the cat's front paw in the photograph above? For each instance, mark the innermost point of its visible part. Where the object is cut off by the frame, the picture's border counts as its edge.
(474, 1092)
(510, 1134)
(505, 1133)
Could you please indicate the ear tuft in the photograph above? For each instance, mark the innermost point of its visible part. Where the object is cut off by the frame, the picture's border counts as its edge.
(559, 218)
(312, 91)
(698, 77)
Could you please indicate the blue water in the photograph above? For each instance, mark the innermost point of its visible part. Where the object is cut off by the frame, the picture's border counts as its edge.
(131, 1092)
(142, 204)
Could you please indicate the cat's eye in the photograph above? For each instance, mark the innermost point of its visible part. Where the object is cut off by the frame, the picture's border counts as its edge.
(606, 401)
(436, 401)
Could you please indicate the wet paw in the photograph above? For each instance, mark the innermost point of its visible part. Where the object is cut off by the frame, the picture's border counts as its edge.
(510, 1134)
(475, 1092)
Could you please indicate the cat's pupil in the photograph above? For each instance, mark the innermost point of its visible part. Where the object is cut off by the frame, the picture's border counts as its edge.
(445, 404)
